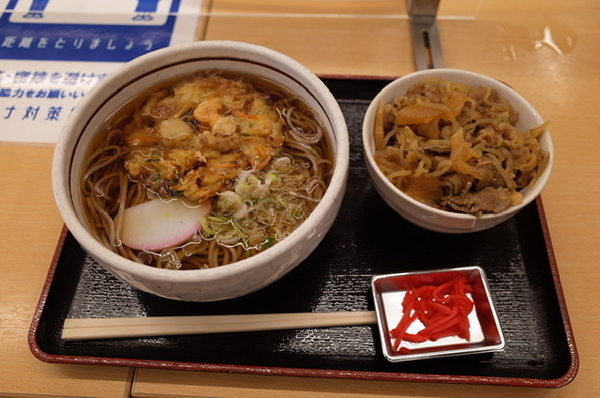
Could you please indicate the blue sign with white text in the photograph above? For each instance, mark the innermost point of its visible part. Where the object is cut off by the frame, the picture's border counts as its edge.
(106, 31)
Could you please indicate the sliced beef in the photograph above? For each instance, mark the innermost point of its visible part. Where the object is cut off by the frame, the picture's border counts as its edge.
(454, 183)
(488, 200)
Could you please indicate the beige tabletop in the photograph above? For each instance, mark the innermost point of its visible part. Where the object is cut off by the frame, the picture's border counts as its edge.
(548, 50)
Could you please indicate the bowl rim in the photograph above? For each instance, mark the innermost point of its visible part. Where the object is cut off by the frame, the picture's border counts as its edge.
(455, 75)
(115, 81)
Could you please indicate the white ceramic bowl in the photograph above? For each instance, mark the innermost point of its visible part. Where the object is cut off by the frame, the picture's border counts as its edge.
(228, 281)
(429, 217)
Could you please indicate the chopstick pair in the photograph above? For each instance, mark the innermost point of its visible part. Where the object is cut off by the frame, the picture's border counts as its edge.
(107, 328)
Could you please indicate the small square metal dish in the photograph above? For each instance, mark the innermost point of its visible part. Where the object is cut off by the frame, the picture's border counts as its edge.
(413, 333)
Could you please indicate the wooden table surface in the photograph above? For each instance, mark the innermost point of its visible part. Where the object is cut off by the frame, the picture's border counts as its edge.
(548, 50)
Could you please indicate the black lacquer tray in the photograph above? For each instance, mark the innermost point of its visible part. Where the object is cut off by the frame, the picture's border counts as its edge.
(367, 238)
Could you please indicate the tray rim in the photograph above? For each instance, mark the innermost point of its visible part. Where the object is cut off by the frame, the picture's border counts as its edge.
(565, 379)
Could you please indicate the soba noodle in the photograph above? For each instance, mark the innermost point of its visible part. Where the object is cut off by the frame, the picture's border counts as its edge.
(457, 148)
(271, 187)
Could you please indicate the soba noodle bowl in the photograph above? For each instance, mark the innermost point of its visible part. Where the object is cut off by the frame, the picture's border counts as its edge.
(457, 148)
(251, 150)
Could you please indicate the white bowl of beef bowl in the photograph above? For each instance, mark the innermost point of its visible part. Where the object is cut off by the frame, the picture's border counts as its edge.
(204, 171)
(454, 151)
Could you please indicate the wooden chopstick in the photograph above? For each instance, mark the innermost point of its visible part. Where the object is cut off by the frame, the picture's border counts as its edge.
(107, 328)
